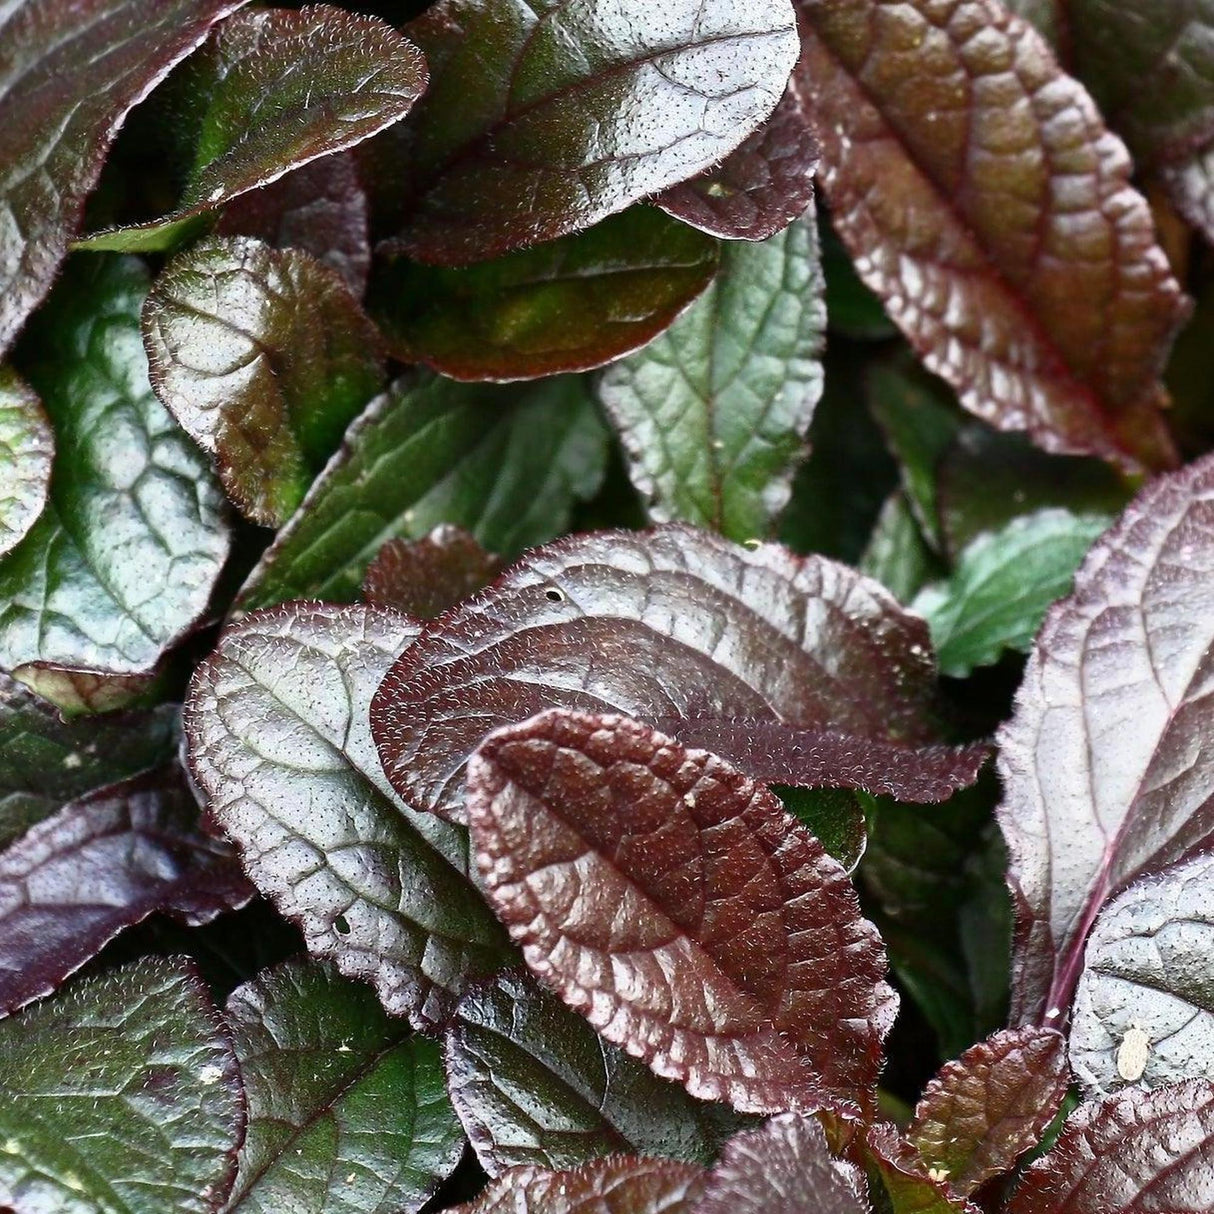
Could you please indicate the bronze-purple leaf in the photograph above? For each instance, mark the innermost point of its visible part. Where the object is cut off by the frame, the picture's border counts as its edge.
(671, 900)
(907, 1184)
(422, 578)
(983, 1111)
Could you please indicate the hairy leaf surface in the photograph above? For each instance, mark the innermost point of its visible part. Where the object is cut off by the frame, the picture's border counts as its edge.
(422, 578)
(902, 1179)
(26, 448)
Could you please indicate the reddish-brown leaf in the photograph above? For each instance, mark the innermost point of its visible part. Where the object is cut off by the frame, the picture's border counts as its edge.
(424, 577)
(895, 1168)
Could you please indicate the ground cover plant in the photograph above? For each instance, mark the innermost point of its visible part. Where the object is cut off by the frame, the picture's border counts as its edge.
(607, 606)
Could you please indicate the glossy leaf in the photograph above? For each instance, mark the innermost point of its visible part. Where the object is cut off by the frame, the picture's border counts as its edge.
(566, 305)
(122, 561)
(347, 1110)
(680, 626)
(982, 1112)
(281, 88)
(1105, 778)
(1135, 1152)
(713, 414)
(784, 1165)
(834, 816)
(121, 1094)
(505, 463)
(534, 1084)
(1002, 585)
(264, 357)
(278, 745)
(986, 204)
(422, 578)
(26, 448)
(101, 865)
(1148, 970)
(670, 900)
(69, 73)
(543, 118)
(900, 1176)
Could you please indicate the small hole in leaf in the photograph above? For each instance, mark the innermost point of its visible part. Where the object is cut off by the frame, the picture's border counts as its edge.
(341, 925)
(554, 595)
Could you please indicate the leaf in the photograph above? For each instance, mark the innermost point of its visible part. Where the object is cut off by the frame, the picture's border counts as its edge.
(713, 414)
(896, 1172)
(566, 305)
(674, 625)
(102, 864)
(121, 1094)
(671, 900)
(1190, 186)
(1025, 274)
(507, 463)
(274, 90)
(1105, 779)
(122, 561)
(761, 187)
(982, 1112)
(277, 742)
(422, 578)
(544, 117)
(1135, 1152)
(264, 357)
(619, 1184)
(834, 817)
(784, 1165)
(1002, 586)
(897, 554)
(1147, 969)
(347, 1110)
(26, 448)
(534, 1084)
(69, 74)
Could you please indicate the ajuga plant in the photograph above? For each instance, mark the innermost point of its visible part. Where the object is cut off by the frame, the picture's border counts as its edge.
(607, 607)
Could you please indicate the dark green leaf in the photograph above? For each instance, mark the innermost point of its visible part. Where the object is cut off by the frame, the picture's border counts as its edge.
(347, 1110)
(834, 816)
(264, 357)
(26, 448)
(897, 554)
(506, 463)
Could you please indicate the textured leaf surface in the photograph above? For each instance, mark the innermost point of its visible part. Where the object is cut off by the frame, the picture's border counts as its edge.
(896, 1172)
(26, 448)
(567, 305)
(982, 1112)
(281, 89)
(422, 578)
(1135, 1152)
(123, 559)
(1148, 967)
(713, 414)
(121, 1094)
(276, 724)
(534, 1084)
(1105, 775)
(666, 625)
(544, 117)
(69, 73)
(347, 1110)
(100, 865)
(264, 357)
(672, 901)
(507, 463)
(985, 203)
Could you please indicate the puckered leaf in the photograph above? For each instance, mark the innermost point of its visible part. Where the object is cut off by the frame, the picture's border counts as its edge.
(713, 414)
(1135, 1152)
(680, 627)
(281, 89)
(567, 305)
(123, 559)
(982, 1112)
(347, 1110)
(672, 901)
(903, 1179)
(26, 448)
(507, 463)
(1144, 1008)
(276, 726)
(761, 186)
(545, 116)
(785, 1165)
(618, 1184)
(1190, 185)
(100, 865)
(264, 357)
(984, 201)
(1105, 775)
(121, 1094)
(534, 1084)
(422, 578)
(69, 73)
